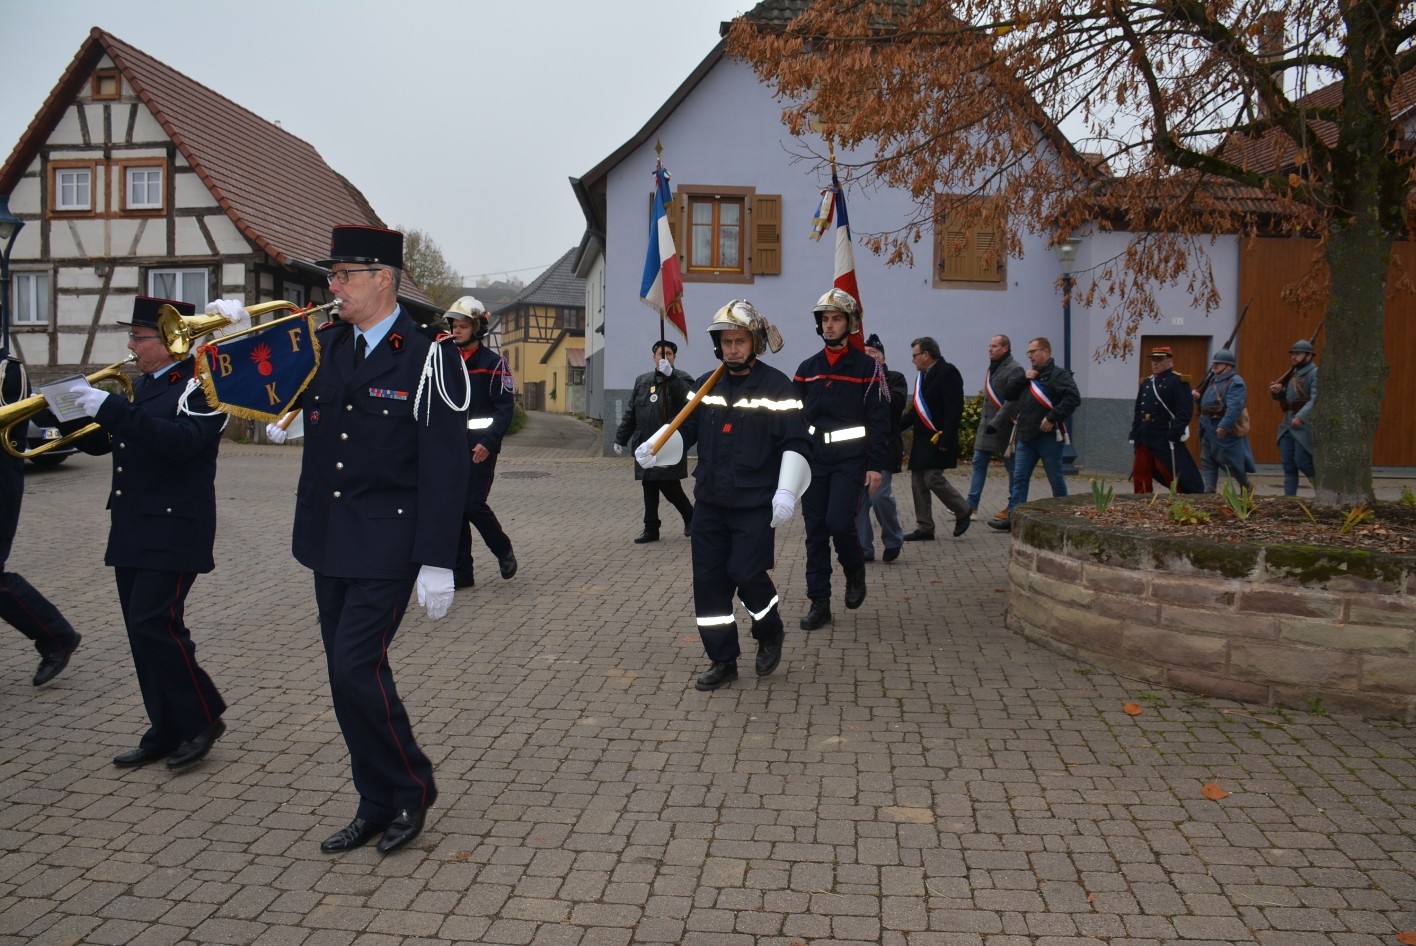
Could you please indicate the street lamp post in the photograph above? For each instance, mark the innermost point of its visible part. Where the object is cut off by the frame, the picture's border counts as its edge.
(1067, 258)
(10, 226)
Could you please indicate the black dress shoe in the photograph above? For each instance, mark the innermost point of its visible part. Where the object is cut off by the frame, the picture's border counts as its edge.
(508, 565)
(891, 554)
(51, 665)
(720, 674)
(405, 826)
(918, 536)
(139, 756)
(355, 834)
(688, 525)
(1002, 525)
(818, 616)
(769, 654)
(962, 525)
(464, 579)
(648, 535)
(855, 589)
(195, 749)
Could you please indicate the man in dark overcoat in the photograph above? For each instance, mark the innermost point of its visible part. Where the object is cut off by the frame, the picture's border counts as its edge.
(657, 398)
(163, 510)
(935, 412)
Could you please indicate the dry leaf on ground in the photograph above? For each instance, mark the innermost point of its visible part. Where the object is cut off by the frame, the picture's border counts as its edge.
(1213, 792)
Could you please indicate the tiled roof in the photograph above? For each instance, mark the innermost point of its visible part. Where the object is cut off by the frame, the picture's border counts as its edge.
(275, 187)
(557, 286)
(1275, 151)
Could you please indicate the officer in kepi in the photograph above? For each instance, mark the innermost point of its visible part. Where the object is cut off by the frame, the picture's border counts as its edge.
(1159, 427)
(753, 466)
(847, 406)
(386, 437)
(488, 420)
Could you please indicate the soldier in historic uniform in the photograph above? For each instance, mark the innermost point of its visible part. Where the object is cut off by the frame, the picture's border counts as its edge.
(846, 402)
(386, 438)
(163, 508)
(753, 466)
(1224, 443)
(657, 398)
(1296, 391)
(1159, 427)
(22, 606)
(488, 419)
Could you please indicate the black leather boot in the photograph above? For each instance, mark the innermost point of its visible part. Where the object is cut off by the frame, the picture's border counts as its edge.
(719, 675)
(769, 654)
(818, 616)
(855, 589)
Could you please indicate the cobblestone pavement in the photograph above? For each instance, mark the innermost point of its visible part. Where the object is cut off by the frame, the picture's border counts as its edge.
(913, 775)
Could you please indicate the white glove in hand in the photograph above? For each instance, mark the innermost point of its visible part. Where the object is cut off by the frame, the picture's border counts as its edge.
(665, 368)
(783, 503)
(275, 433)
(89, 399)
(619, 449)
(644, 455)
(232, 310)
(435, 590)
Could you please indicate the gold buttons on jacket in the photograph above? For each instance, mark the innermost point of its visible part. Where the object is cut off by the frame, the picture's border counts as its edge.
(343, 436)
(339, 465)
(349, 407)
(117, 492)
(118, 470)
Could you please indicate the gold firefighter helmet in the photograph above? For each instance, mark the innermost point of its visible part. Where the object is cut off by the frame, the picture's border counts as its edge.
(843, 302)
(470, 308)
(744, 315)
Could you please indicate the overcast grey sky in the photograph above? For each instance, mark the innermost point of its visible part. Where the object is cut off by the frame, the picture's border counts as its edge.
(489, 106)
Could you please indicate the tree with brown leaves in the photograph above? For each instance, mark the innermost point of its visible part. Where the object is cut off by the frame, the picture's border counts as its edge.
(423, 259)
(1248, 117)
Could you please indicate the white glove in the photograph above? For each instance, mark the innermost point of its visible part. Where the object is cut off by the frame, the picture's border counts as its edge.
(88, 399)
(783, 503)
(619, 449)
(435, 590)
(644, 455)
(665, 368)
(231, 309)
(275, 433)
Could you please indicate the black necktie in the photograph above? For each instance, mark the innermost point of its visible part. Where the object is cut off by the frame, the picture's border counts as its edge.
(360, 348)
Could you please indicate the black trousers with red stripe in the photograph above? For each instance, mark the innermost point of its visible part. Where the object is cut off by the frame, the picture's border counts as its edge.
(179, 697)
(358, 619)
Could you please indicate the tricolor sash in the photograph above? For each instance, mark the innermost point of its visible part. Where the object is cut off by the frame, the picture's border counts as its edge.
(988, 391)
(1039, 394)
(921, 408)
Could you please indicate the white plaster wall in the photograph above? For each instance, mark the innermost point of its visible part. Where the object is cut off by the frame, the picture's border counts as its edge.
(594, 305)
(228, 239)
(1113, 378)
(67, 131)
(191, 192)
(189, 240)
(76, 278)
(729, 132)
(146, 127)
(233, 274)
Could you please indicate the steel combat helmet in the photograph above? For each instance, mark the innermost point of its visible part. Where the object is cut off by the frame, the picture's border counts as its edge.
(843, 302)
(470, 308)
(741, 314)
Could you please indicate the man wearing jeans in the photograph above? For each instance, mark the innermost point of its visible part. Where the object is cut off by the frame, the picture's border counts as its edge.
(1039, 403)
(1002, 371)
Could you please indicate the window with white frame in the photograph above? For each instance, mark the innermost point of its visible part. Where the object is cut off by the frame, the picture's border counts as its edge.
(73, 188)
(182, 285)
(144, 188)
(31, 298)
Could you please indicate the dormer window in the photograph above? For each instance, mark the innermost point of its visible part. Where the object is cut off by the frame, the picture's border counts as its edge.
(106, 85)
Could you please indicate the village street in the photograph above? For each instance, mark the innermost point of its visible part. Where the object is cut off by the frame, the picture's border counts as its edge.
(915, 774)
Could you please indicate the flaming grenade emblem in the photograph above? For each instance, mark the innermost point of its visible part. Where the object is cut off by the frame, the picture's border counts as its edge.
(261, 356)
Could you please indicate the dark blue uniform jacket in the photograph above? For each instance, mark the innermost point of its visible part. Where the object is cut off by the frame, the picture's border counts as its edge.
(840, 397)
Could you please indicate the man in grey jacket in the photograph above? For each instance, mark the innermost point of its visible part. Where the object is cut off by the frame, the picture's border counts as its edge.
(1040, 403)
(1002, 371)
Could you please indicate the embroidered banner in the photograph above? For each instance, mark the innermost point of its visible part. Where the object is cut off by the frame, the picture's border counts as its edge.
(258, 374)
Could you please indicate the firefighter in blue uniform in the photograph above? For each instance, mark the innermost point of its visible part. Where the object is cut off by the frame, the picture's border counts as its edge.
(1159, 426)
(21, 604)
(488, 419)
(163, 509)
(752, 467)
(846, 403)
(385, 422)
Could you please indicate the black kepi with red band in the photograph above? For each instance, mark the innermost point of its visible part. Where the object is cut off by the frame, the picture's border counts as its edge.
(365, 245)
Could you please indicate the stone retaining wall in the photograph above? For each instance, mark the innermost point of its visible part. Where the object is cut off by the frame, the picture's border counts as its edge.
(1295, 626)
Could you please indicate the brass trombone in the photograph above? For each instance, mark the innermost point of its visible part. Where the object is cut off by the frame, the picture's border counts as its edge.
(178, 332)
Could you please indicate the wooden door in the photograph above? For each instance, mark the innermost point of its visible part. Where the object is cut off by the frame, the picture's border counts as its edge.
(1192, 356)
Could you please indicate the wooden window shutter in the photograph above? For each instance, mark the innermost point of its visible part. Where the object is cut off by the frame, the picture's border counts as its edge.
(968, 253)
(766, 249)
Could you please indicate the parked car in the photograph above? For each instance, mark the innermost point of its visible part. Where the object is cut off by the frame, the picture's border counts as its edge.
(38, 436)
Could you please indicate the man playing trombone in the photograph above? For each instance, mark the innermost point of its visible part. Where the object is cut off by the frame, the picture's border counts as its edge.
(163, 509)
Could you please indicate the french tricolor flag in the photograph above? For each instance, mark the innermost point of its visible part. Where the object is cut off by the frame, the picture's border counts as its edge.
(833, 207)
(662, 285)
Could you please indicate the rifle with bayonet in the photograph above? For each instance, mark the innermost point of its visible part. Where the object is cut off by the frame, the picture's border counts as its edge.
(1228, 346)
